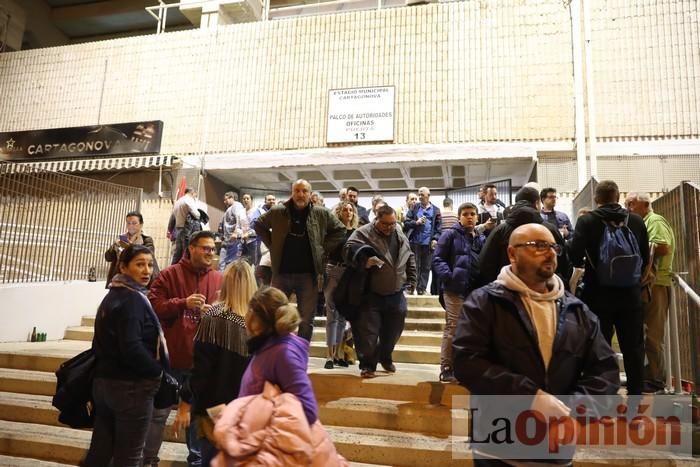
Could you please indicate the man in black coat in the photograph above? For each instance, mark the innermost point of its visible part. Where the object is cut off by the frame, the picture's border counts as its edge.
(494, 255)
(525, 335)
(619, 309)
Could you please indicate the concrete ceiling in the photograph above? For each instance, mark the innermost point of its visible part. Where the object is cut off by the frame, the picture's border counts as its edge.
(375, 168)
(82, 20)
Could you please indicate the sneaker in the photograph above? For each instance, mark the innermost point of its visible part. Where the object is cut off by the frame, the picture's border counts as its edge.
(341, 363)
(447, 376)
(328, 365)
(367, 373)
(388, 366)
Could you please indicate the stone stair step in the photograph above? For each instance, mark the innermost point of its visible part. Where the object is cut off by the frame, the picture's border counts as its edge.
(429, 311)
(360, 412)
(422, 300)
(396, 448)
(408, 337)
(39, 356)
(9, 461)
(402, 353)
(349, 411)
(411, 324)
(412, 382)
(65, 445)
(79, 333)
(27, 381)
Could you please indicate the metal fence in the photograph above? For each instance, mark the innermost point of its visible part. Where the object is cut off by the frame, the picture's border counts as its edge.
(55, 226)
(681, 208)
(470, 194)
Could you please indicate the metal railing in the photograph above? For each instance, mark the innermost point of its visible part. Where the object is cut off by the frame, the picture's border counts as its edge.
(56, 227)
(681, 208)
(160, 12)
(470, 194)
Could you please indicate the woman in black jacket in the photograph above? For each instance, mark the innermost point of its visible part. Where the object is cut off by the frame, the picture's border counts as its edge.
(220, 355)
(128, 369)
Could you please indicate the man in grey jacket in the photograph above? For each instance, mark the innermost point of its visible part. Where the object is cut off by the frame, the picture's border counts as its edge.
(384, 251)
(298, 235)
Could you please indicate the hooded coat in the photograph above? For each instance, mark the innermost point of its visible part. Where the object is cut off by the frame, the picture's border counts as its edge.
(168, 295)
(494, 255)
(584, 250)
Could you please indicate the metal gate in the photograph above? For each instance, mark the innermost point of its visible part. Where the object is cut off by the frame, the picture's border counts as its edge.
(54, 226)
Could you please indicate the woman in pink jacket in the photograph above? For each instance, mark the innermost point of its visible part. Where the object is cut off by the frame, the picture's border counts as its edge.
(279, 426)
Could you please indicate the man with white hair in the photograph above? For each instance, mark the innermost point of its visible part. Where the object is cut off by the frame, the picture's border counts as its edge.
(423, 226)
(299, 234)
(657, 292)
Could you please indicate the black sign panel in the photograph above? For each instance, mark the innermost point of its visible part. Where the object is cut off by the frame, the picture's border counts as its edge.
(85, 141)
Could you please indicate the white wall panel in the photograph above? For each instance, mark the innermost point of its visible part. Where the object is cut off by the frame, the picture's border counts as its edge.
(469, 71)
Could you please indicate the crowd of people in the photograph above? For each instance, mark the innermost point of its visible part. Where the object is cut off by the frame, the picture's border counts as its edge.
(520, 317)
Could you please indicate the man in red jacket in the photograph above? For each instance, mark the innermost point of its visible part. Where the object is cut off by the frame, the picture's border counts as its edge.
(180, 294)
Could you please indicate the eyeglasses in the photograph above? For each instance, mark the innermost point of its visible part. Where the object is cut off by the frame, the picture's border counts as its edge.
(541, 247)
(207, 249)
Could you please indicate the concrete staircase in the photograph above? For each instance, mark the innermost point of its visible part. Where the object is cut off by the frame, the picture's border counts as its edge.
(403, 419)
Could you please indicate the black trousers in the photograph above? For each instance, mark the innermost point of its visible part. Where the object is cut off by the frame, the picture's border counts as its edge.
(424, 261)
(122, 418)
(629, 327)
(379, 328)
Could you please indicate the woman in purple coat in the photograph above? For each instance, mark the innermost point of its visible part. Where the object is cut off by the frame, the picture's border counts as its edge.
(279, 356)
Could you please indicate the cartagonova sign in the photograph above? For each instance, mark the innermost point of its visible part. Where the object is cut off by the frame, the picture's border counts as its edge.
(360, 115)
(100, 140)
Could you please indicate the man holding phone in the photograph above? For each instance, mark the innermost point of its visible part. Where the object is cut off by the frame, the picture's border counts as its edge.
(490, 210)
(423, 226)
(382, 250)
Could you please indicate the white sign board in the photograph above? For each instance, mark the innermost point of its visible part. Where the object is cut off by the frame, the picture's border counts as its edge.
(360, 115)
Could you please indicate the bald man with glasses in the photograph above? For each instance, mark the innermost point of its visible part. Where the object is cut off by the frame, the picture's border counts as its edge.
(524, 334)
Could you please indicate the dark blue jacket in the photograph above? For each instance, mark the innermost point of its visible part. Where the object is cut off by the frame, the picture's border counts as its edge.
(126, 337)
(496, 351)
(456, 260)
(410, 227)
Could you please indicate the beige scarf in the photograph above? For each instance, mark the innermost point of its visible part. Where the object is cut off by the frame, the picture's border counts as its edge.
(540, 307)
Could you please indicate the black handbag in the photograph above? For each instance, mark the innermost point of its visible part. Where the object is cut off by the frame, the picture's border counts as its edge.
(73, 397)
(169, 389)
(167, 394)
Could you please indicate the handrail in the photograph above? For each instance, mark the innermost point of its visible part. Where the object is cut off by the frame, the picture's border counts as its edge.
(162, 8)
(687, 289)
(671, 337)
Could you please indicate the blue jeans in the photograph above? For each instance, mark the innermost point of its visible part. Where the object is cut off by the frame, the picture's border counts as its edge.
(424, 259)
(154, 438)
(304, 286)
(180, 244)
(379, 328)
(194, 458)
(335, 322)
(122, 417)
(228, 254)
(208, 450)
